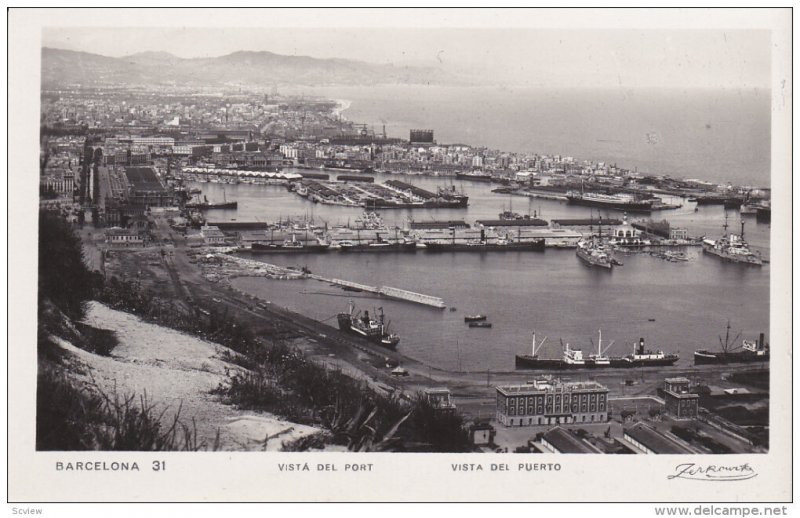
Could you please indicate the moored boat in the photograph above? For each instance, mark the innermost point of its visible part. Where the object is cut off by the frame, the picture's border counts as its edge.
(474, 318)
(732, 248)
(621, 202)
(574, 358)
(374, 330)
(486, 325)
(750, 351)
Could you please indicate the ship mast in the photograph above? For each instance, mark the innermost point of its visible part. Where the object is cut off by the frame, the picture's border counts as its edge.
(599, 342)
(535, 348)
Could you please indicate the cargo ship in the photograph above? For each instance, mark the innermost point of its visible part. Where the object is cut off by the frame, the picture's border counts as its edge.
(732, 248)
(749, 352)
(503, 244)
(447, 195)
(574, 358)
(623, 202)
(377, 246)
(434, 203)
(570, 359)
(205, 204)
(645, 358)
(290, 246)
(363, 325)
(475, 177)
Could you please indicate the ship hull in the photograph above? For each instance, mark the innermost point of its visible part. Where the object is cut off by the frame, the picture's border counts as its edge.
(394, 247)
(474, 178)
(532, 246)
(376, 336)
(642, 207)
(591, 261)
(428, 204)
(531, 362)
(741, 259)
(280, 249)
(714, 358)
(208, 206)
(627, 363)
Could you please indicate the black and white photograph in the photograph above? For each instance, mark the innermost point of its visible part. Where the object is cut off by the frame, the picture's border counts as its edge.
(505, 242)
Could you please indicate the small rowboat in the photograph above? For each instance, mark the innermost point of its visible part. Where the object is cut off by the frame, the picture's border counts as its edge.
(474, 318)
(480, 324)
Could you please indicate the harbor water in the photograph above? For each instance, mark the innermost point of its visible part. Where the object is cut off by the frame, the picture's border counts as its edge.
(675, 306)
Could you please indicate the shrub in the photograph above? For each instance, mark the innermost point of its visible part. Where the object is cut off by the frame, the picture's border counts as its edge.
(71, 416)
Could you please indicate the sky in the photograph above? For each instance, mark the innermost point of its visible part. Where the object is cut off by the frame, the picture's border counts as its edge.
(687, 58)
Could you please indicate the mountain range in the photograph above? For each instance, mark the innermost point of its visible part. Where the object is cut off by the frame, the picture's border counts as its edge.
(67, 67)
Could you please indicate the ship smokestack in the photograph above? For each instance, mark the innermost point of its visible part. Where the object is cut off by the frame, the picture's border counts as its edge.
(641, 345)
(483, 235)
(761, 342)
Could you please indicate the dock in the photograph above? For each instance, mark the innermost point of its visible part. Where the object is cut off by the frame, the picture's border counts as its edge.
(419, 298)
(388, 291)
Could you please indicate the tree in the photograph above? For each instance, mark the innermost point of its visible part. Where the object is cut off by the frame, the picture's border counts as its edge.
(64, 278)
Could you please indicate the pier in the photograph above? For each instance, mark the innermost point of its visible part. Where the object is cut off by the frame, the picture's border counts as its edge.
(411, 296)
(388, 291)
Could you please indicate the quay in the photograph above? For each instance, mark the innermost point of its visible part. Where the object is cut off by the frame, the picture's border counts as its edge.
(361, 191)
(387, 291)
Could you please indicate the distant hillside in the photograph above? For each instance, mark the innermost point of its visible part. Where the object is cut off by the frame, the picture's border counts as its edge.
(263, 68)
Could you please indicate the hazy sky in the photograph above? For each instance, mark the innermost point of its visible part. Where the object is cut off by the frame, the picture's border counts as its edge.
(536, 57)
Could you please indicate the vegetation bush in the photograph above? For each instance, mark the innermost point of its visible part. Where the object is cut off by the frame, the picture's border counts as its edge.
(71, 417)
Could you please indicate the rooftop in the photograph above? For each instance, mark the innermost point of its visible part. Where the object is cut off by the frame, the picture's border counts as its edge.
(654, 440)
(565, 441)
(547, 385)
(143, 179)
(677, 380)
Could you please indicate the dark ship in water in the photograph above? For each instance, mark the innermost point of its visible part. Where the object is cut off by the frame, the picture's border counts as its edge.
(292, 245)
(623, 202)
(574, 358)
(749, 352)
(502, 244)
(195, 203)
(378, 245)
(363, 325)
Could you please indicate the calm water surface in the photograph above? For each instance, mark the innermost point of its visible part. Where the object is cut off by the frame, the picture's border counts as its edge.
(551, 292)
